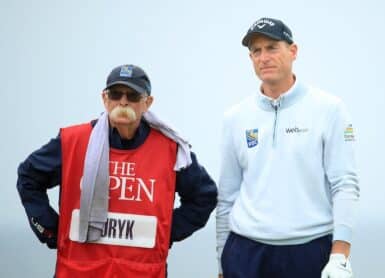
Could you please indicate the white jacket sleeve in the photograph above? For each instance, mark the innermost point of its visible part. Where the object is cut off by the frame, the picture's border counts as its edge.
(228, 187)
(340, 168)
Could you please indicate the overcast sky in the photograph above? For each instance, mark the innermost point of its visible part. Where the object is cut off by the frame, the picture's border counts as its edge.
(55, 56)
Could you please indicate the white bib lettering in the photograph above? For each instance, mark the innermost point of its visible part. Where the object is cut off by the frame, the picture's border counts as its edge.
(122, 229)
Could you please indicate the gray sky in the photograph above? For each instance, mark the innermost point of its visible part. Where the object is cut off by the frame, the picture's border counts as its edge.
(55, 56)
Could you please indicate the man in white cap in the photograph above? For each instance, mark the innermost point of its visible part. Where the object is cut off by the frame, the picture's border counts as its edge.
(288, 184)
(118, 176)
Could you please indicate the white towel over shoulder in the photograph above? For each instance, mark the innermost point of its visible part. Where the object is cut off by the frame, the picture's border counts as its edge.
(95, 183)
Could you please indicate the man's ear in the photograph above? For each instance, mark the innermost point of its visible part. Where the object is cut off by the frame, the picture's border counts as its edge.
(104, 98)
(294, 50)
(149, 100)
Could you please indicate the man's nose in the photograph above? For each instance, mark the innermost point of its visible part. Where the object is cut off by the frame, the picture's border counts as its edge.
(264, 56)
(124, 100)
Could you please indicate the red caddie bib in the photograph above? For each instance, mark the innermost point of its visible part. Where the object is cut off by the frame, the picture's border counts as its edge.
(135, 239)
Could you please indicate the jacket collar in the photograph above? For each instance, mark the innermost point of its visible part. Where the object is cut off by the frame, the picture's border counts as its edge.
(286, 99)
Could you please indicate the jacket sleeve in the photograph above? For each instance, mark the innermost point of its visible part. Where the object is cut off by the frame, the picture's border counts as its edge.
(341, 172)
(39, 172)
(230, 179)
(198, 198)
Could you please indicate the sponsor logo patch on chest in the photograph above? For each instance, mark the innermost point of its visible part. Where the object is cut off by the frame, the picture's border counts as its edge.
(122, 229)
(252, 137)
(293, 130)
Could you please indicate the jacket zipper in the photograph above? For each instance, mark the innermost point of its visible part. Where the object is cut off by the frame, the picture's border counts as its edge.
(276, 103)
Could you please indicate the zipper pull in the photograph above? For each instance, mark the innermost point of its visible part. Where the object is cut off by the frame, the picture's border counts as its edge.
(276, 103)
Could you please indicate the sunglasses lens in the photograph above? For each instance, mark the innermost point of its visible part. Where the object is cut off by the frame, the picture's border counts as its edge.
(134, 97)
(117, 95)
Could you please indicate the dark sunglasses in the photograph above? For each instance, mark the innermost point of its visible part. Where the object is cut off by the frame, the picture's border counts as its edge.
(114, 94)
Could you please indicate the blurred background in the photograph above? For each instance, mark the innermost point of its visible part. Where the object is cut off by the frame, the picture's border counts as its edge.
(55, 57)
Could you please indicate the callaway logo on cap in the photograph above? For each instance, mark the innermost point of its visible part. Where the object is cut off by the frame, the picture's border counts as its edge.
(270, 27)
(262, 23)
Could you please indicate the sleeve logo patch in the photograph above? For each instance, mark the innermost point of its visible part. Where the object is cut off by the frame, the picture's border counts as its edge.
(349, 133)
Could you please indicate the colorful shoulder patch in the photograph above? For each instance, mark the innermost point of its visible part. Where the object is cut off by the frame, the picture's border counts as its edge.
(349, 133)
(252, 137)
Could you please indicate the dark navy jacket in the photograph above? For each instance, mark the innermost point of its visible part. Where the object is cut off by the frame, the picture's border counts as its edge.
(42, 170)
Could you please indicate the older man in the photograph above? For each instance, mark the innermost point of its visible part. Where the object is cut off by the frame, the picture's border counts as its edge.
(118, 176)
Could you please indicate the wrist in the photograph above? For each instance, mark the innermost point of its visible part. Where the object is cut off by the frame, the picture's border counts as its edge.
(341, 247)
